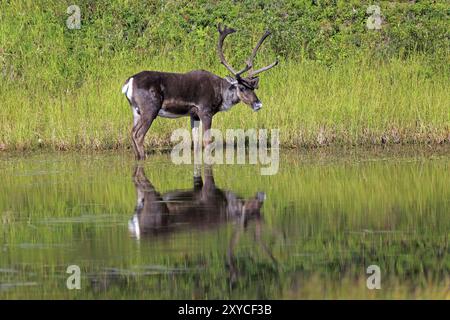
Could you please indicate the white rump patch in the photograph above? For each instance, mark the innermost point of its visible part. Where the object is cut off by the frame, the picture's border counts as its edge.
(128, 88)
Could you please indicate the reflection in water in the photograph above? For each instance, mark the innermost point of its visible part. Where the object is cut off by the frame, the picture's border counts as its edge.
(326, 220)
(203, 207)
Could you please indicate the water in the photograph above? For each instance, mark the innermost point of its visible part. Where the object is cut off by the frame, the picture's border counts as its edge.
(155, 232)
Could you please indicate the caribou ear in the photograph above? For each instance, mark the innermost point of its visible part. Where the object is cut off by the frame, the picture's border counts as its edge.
(231, 80)
(255, 82)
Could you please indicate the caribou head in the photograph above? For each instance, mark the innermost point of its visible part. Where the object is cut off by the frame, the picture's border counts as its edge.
(244, 86)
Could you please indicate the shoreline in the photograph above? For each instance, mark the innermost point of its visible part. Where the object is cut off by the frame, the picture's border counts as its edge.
(325, 151)
(300, 140)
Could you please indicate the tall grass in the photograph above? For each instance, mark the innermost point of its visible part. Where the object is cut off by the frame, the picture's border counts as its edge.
(359, 102)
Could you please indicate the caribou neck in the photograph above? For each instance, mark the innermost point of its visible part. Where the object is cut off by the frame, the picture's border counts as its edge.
(229, 95)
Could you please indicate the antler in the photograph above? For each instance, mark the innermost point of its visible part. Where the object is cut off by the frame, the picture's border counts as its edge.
(223, 34)
(254, 73)
(255, 50)
(249, 63)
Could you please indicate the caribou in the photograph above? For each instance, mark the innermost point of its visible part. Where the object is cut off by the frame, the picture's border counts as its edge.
(198, 94)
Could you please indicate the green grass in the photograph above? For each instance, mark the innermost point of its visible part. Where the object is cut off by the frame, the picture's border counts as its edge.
(352, 103)
(60, 88)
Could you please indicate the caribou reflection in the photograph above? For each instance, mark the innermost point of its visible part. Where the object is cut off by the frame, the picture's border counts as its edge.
(203, 207)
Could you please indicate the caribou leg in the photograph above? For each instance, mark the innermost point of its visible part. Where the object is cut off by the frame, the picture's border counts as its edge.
(195, 123)
(140, 132)
(136, 118)
(195, 127)
(148, 103)
(206, 123)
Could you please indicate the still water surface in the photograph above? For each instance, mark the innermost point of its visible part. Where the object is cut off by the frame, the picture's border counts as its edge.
(156, 232)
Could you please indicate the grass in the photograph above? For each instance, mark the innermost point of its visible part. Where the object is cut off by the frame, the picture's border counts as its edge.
(357, 102)
(60, 88)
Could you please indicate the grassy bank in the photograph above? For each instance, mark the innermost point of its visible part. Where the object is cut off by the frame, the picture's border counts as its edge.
(352, 103)
(60, 88)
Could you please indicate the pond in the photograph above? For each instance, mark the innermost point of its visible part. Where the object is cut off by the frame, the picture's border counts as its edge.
(322, 227)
